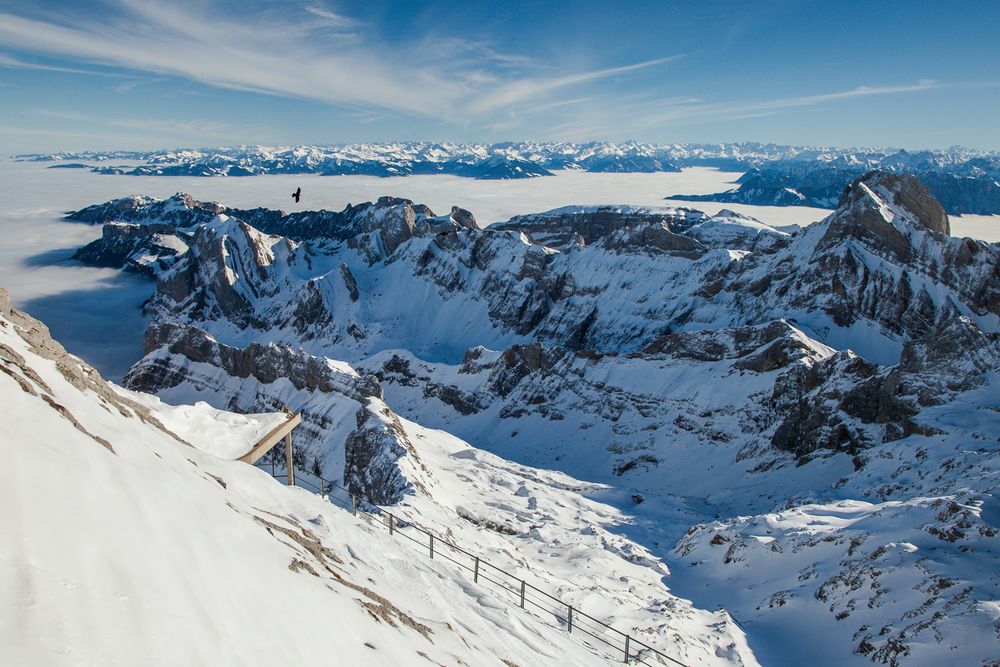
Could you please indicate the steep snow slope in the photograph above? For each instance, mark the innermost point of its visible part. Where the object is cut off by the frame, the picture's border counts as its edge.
(540, 525)
(122, 545)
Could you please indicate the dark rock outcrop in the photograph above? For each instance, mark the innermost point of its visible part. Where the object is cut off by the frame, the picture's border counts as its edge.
(371, 455)
(349, 282)
(144, 249)
(847, 404)
(464, 218)
(903, 191)
(591, 224)
(266, 363)
(760, 349)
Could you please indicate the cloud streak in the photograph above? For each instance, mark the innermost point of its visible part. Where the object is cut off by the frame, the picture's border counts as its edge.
(15, 63)
(188, 41)
(695, 111)
(519, 91)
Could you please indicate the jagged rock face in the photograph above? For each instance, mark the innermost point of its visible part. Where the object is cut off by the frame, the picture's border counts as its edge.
(847, 404)
(872, 261)
(349, 282)
(345, 427)
(887, 215)
(371, 453)
(393, 220)
(587, 225)
(399, 371)
(629, 410)
(464, 218)
(266, 363)
(872, 264)
(145, 249)
(183, 364)
(236, 262)
(902, 191)
(655, 237)
(180, 210)
(760, 349)
(184, 212)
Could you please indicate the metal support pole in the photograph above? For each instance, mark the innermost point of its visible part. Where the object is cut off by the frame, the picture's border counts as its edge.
(522, 594)
(321, 486)
(569, 620)
(288, 459)
(390, 524)
(475, 575)
(354, 505)
(627, 640)
(432, 547)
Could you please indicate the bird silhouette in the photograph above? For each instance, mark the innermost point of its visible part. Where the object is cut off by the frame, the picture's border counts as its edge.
(297, 194)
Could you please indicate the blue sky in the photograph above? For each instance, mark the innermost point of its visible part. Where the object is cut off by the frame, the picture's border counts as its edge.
(139, 74)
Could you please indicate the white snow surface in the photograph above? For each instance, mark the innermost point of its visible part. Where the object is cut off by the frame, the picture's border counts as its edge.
(228, 435)
(564, 535)
(159, 554)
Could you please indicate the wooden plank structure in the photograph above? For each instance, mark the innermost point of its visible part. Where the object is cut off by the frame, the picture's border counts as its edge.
(280, 432)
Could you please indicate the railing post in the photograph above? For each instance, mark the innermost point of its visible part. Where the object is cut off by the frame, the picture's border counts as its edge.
(475, 574)
(289, 463)
(321, 487)
(569, 620)
(390, 524)
(627, 640)
(522, 594)
(354, 505)
(432, 545)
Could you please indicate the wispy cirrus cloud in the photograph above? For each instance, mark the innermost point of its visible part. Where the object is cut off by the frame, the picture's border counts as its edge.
(331, 18)
(639, 113)
(696, 110)
(458, 81)
(526, 89)
(16, 63)
(223, 50)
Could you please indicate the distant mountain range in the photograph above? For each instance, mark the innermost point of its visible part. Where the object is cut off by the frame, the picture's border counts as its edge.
(962, 184)
(964, 180)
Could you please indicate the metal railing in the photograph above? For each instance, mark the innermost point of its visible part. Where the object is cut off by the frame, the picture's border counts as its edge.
(514, 590)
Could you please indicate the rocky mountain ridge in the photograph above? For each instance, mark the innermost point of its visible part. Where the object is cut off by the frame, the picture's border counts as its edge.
(881, 263)
(713, 371)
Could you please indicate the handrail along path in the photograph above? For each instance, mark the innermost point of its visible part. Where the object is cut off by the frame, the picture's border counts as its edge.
(593, 631)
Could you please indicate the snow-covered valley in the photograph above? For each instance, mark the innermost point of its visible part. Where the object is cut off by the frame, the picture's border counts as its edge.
(750, 441)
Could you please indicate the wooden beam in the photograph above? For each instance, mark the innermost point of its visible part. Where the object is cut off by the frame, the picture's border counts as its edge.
(288, 459)
(265, 444)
